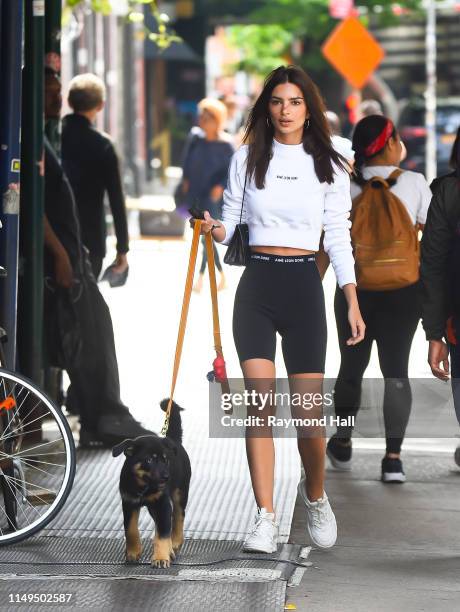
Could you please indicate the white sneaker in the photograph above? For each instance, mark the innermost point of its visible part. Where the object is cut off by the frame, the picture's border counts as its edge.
(321, 523)
(264, 534)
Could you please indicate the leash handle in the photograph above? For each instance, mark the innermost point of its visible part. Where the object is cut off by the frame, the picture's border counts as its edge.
(183, 317)
(185, 308)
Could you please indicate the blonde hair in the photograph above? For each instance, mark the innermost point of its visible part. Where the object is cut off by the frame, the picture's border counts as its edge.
(86, 92)
(216, 108)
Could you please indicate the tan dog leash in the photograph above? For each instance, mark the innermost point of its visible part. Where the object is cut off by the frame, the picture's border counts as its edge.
(219, 364)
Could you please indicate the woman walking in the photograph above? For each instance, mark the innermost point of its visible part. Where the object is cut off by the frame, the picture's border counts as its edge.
(391, 315)
(205, 170)
(291, 183)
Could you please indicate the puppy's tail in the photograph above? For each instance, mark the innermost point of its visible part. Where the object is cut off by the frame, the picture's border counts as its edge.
(175, 422)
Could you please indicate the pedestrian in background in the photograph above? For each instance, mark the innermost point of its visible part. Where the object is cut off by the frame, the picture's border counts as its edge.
(94, 392)
(341, 144)
(288, 182)
(91, 163)
(391, 315)
(440, 274)
(205, 168)
(368, 108)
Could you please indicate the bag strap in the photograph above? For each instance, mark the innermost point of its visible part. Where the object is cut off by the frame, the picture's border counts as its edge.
(185, 309)
(244, 192)
(386, 182)
(395, 175)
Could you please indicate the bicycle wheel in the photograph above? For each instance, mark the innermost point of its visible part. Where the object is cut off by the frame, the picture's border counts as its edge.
(37, 458)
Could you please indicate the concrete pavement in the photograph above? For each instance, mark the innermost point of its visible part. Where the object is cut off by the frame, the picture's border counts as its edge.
(399, 546)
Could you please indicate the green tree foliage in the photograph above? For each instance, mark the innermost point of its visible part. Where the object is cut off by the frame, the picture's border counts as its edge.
(261, 47)
(162, 37)
(307, 20)
(100, 6)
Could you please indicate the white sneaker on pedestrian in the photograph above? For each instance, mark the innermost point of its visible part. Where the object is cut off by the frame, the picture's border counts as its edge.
(321, 523)
(262, 538)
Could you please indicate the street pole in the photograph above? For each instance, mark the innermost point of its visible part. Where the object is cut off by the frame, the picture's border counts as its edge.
(132, 174)
(430, 93)
(32, 193)
(10, 86)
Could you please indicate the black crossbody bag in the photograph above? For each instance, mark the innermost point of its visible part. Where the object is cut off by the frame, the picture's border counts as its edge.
(238, 250)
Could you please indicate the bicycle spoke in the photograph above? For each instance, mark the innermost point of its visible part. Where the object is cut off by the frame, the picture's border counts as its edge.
(6, 456)
(27, 450)
(28, 502)
(5, 392)
(30, 484)
(7, 517)
(44, 462)
(15, 434)
(28, 414)
(18, 408)
(34, 467)
(18, 505)
(24, 423)
(44, 503)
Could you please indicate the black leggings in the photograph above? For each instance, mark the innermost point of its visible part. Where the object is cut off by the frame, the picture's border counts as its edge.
(391, 319)
(204, 260)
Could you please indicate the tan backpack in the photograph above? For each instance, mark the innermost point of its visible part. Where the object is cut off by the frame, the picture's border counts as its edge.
(385, 242)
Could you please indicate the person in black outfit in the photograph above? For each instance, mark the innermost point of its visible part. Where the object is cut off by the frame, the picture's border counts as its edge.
(440, 275)
(91, 163)
(391, 316)
(95, 386)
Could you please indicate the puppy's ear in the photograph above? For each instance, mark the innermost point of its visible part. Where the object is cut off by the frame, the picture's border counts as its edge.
(170, 445)
(127, 446)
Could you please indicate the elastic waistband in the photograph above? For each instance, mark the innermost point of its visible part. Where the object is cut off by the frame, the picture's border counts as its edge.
(269, 258)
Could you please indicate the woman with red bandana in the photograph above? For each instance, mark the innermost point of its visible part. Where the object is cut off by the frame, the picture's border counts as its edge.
(391, 316)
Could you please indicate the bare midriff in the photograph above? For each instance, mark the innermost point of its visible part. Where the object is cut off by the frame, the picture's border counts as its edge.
(276, 250)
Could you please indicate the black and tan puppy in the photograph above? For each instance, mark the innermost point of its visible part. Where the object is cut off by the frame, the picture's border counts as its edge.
(156, 474)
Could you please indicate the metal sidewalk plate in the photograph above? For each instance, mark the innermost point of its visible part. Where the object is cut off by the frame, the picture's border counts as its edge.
(207, 575)
(115, 595)
(218, 560)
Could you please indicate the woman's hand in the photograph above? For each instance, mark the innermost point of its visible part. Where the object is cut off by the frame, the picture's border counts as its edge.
(438, 354)
(355, 319)
(357, 325)
(207, 224)
(120, 263)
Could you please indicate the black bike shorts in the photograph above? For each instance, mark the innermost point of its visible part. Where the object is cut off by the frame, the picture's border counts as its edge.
(281, 294)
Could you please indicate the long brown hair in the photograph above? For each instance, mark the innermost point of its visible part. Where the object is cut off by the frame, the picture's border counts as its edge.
(316, 140)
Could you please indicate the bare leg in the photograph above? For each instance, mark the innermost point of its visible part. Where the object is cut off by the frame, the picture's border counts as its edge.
(259, 374)
(198, 286)
(310, 441)
(222, 282)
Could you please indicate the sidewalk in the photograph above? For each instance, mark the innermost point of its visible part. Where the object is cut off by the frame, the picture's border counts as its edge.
(398, 548)
(399, 545)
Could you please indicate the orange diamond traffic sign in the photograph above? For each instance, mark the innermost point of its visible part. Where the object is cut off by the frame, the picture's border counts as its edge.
(353, 52)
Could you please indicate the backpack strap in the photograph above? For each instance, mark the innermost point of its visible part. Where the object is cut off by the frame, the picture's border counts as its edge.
(391, 180)
(379, 181)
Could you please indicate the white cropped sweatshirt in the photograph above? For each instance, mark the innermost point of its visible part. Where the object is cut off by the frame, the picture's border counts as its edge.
(293, 208)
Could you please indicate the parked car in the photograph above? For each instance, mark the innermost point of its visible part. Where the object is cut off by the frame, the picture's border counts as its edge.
(413, 132)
